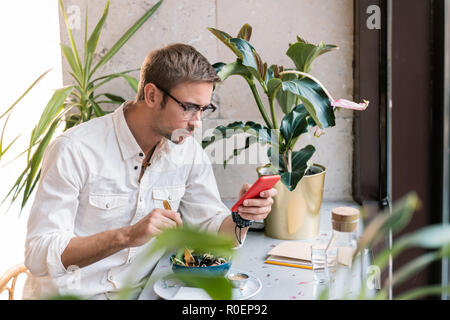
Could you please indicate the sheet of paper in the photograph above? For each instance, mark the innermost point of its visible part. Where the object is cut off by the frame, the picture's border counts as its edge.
(292, 249)
(345, 255)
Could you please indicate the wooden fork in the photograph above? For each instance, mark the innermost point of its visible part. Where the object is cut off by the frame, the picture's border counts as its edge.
(166, 205)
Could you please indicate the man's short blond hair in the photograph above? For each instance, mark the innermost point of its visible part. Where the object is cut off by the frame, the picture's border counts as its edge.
(172, 65)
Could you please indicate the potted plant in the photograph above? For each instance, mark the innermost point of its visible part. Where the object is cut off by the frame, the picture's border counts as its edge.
(305, 103)
(77, 103)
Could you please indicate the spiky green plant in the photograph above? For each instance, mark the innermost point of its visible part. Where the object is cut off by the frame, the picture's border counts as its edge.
(77, 103)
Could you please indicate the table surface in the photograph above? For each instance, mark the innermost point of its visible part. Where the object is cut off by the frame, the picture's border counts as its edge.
(279, 282)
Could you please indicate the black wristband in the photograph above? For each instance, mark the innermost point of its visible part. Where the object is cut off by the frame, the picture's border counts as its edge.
(240, 223)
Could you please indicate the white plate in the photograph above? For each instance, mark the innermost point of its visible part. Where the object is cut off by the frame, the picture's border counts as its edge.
(170, 288)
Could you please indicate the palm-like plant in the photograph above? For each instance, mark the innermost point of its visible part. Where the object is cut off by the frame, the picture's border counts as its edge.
(75, 103)
(7, 114)
(302, 98)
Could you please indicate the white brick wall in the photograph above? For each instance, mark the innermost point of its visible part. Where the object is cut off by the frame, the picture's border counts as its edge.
(275, 25)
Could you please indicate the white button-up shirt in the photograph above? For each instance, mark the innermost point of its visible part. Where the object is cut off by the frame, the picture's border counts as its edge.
(89, 184)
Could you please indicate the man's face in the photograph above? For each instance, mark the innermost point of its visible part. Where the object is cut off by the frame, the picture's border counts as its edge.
(171, 121)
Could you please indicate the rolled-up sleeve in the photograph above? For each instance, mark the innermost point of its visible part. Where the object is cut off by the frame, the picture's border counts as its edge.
(201, 205)
(51, 222)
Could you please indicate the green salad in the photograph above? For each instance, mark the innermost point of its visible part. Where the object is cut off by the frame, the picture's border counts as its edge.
(190, 258)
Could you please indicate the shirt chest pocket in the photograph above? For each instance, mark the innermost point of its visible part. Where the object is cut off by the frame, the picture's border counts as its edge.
(172, 194)
(108, 205)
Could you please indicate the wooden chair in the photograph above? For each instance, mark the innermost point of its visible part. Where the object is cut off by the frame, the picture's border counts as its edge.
(12, 273)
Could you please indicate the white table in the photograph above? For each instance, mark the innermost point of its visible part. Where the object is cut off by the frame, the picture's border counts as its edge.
(278, 282)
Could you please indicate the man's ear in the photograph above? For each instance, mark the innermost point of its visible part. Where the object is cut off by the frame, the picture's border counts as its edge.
(150, 94)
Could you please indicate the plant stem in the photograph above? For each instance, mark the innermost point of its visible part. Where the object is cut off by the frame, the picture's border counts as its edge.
(260, 104)
(272, 112)
(310, 77)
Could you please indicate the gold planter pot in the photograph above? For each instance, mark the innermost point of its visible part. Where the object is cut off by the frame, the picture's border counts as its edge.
(295, 214)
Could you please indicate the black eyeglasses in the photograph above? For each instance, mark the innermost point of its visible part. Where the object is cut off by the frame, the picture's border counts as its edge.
(190, 109)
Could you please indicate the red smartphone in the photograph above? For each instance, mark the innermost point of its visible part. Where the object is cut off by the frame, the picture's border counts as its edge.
(263, 183)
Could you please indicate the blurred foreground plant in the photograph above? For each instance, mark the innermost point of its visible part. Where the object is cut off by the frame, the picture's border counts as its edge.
(435, 238)
(171, 240)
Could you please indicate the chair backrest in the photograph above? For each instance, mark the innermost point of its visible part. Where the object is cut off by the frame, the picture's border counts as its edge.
(12, 273)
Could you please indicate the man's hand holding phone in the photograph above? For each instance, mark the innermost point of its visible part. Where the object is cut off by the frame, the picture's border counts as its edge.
(255, 201)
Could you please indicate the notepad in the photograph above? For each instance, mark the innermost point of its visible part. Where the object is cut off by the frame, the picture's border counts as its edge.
(291, 253)
(298, 254)
(288, 262)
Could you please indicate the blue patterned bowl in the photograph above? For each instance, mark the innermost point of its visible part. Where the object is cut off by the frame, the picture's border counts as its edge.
(219, 270)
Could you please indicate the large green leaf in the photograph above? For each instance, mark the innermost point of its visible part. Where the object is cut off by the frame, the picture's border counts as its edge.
(9, 111)
(314, 99)
(176, 238)
(115, 98)
(273, 86)
(291, 179)
(263, 134)
(53, 108)
(433, 290)
(76, 73)
(431, 237)
(36, 160)
(269, 74)
(225, 38)
(286, 99)
(418, 264)
(235, 68)
(301, 158)
(249, 57)
(3, 151)
(127, 35)
(402, 212)
(72, 120)
(133, 82)
(237, 151)
(218, 244)
(24, 94)
(75, 54)
(303, 54)
(293, 125)
(245, 32)
(97, 110)
(300, 163)
(217, 287)
(93, 40)
(412, 268)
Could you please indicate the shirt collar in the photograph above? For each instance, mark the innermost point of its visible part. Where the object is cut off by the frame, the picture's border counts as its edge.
(127, 143)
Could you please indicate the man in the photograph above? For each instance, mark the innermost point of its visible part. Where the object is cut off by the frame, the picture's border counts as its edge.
(100, 197)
